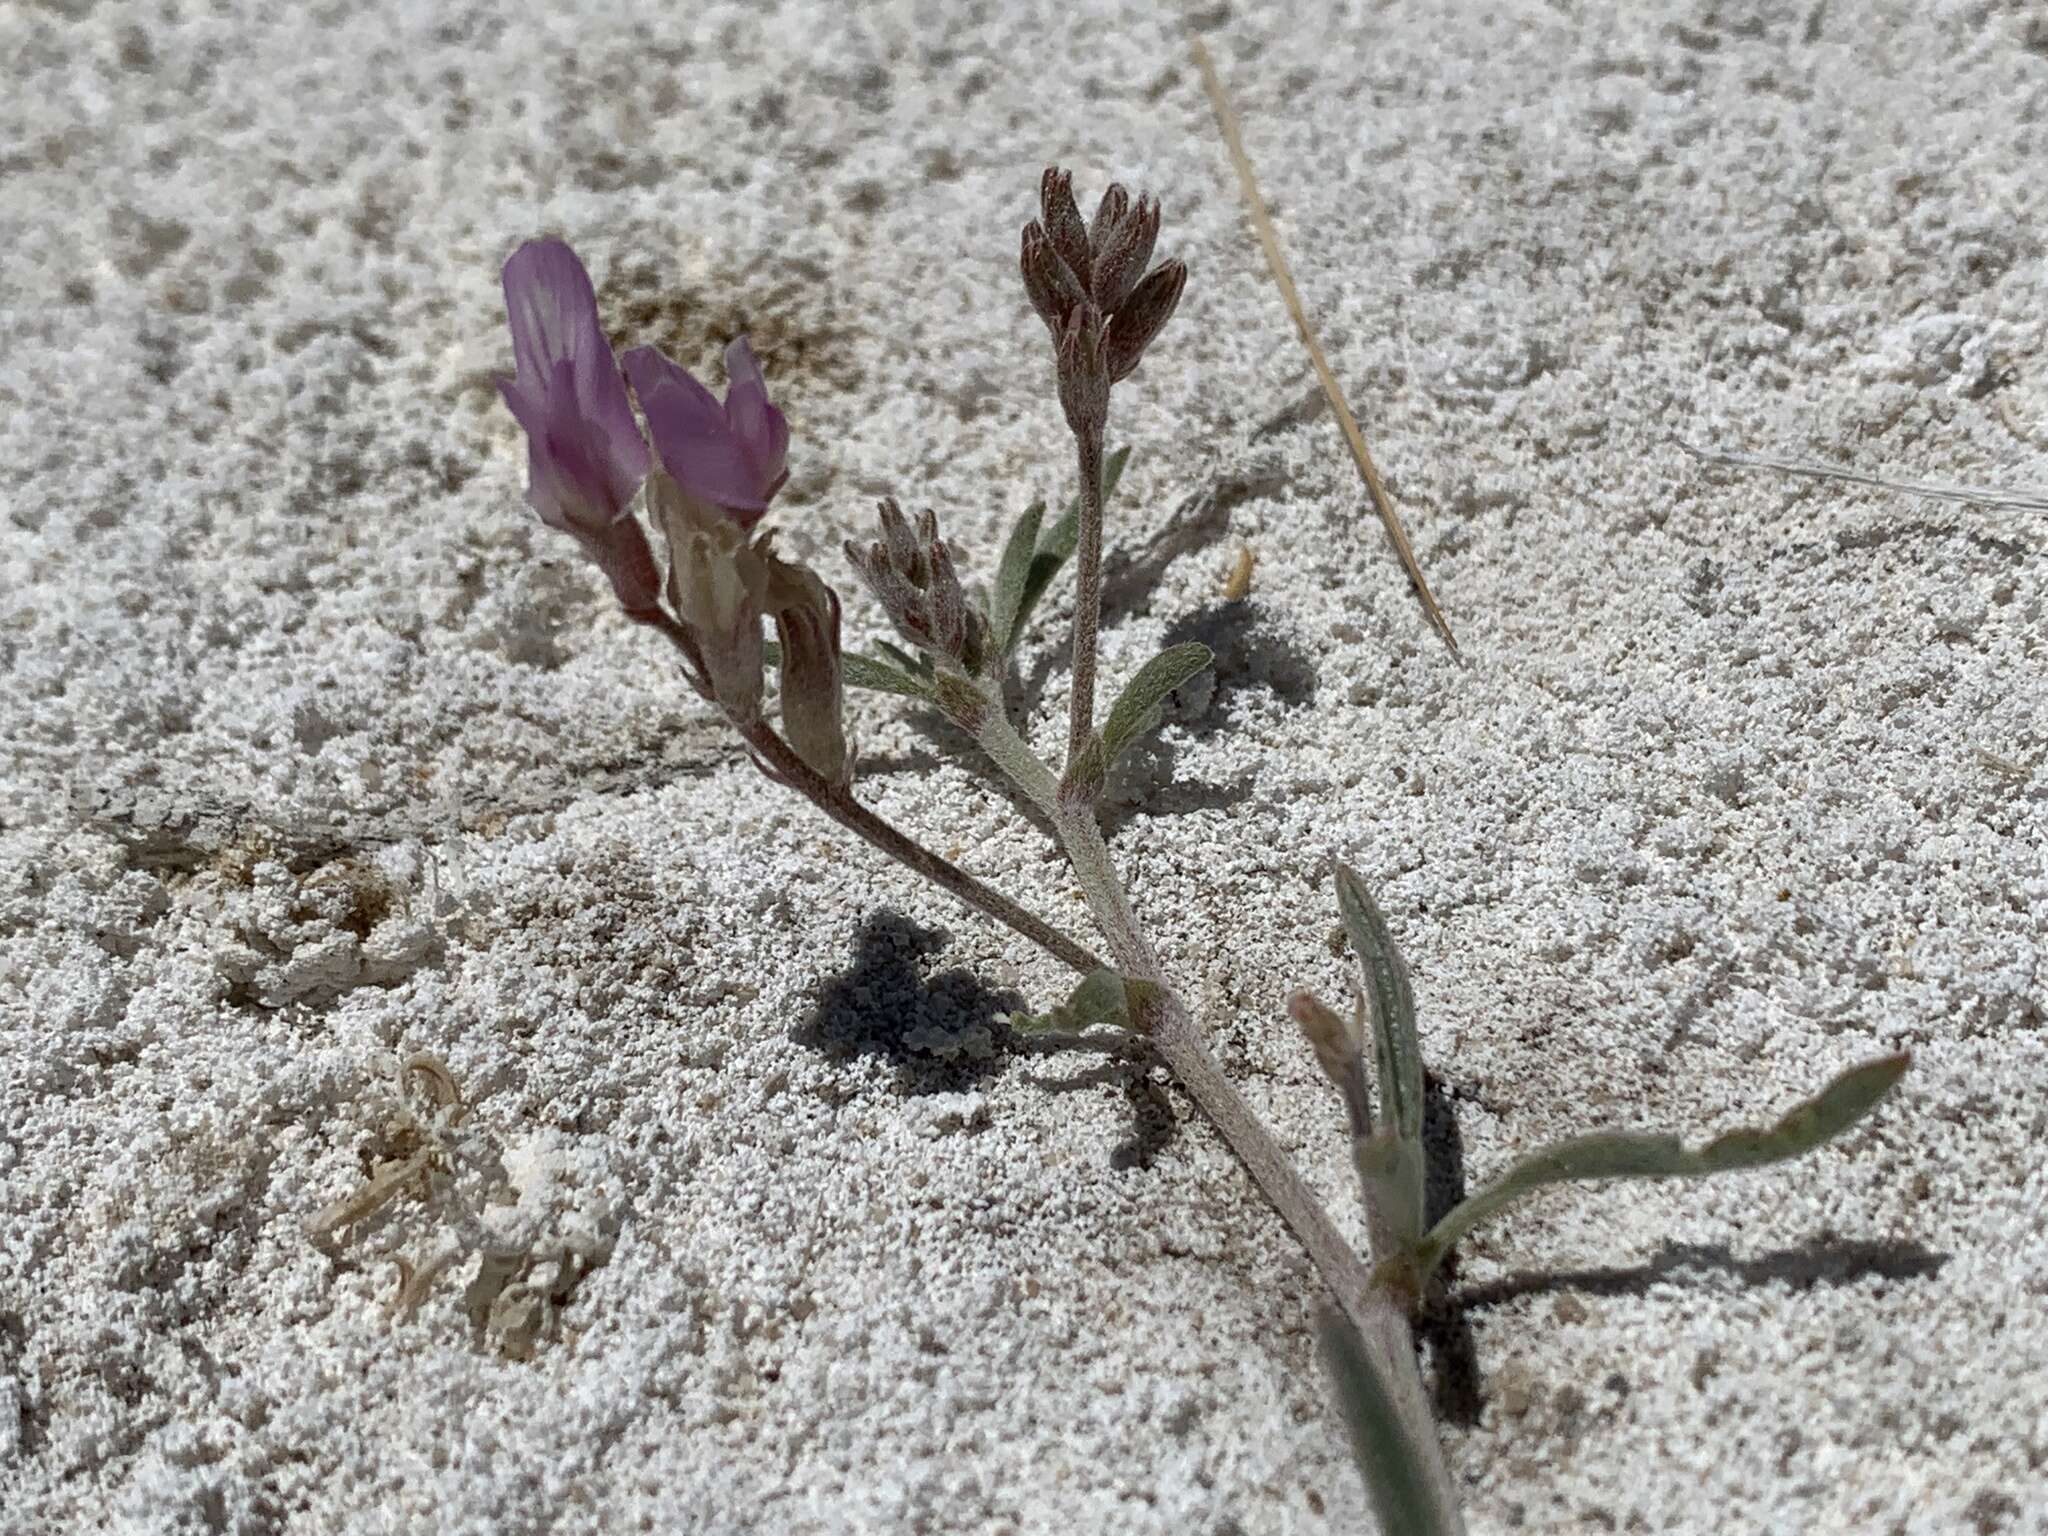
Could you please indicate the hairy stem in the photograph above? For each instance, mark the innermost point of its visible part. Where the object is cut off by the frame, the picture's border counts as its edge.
(838, 802)
(1087, 595)
(1379, 1315)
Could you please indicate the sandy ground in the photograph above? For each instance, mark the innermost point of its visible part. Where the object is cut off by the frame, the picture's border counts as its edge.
(319, 753)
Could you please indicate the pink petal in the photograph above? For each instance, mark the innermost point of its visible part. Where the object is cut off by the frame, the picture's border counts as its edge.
(696, 443)
(552, 308)
(572, 483)
(762, 430)
(527, 404)
(568, 388)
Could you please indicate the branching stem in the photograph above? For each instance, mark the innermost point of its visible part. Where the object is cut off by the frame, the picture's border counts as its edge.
(1380, 1316)
(837, 801)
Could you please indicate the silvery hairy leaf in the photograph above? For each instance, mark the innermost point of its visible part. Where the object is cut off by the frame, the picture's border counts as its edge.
(868, 672)
(1102, 997)
(1136, 710)
(1007, 600)
(1397, 1057)
(1633, 1155)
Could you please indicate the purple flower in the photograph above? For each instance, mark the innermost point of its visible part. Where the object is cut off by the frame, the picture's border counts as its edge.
(731, 455)
(585, 456)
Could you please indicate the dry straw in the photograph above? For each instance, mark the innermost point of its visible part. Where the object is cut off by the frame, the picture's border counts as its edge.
(1226, 120)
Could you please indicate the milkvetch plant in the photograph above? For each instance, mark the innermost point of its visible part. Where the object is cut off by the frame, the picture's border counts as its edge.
(709, 485)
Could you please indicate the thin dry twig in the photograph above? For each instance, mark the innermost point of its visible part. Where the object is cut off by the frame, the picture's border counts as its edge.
(1990, 500)
(1226, 120)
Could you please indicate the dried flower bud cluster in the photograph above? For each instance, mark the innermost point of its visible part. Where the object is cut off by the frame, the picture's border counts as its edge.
(720, 464)
(911, 573)
(1090, 285)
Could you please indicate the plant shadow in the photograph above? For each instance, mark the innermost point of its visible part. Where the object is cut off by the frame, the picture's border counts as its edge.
(945, 1032)
(1129, 1068)
(1251, 653)
(1822, 1260)
(940, 1033)
(1443, 1331)
(1129, 577)
(1444, 1326)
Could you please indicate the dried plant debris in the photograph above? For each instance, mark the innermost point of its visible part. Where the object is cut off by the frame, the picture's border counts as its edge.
(1237, 583)
(442, 1197)
(1283, 279)
(281, 938)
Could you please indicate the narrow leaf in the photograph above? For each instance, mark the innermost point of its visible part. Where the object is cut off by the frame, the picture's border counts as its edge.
(907, 661)
(865, 672)
(1376, 1155)
(1396, 1050)
(1392, 1174)
(1056, 545)
(1625, 1155)
(1137, 710)
(1007, 601)
(1396, 1476)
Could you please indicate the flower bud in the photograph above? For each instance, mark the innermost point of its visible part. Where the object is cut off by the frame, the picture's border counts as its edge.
(1052, 286)
(1109, 213)
(948, 604)
(1121, 254)
(813, 690)
(1340, 1051)
(1063, 226)
(912, 576)
(899, 544)
(1133, 327)
(1083, 369)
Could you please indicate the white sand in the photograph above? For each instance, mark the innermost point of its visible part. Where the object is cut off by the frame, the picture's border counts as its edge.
(318, 750)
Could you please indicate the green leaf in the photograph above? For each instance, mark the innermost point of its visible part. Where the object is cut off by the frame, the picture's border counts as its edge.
(915, 665)
(1627, 1155)
(1396, 1190)
(1396, 1476)
(1137, 710)
(867, 672)
(1397, 1053)
(1377, 1155)
(1102, 997)
(1056, 547)
(1006, 602)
